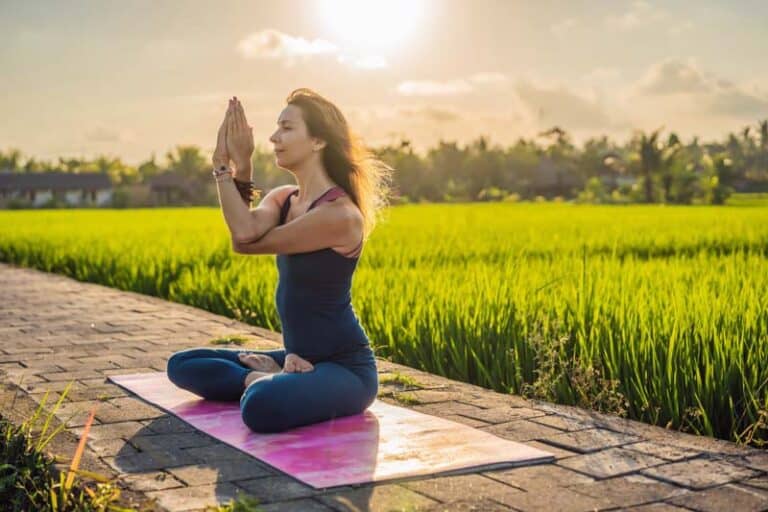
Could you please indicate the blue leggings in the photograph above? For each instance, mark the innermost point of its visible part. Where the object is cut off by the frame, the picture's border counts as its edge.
(280, 401)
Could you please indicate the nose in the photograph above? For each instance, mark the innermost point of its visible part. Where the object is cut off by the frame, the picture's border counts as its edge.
(272, 138)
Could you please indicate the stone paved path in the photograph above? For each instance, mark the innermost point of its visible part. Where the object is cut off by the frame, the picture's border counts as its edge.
(54, 329)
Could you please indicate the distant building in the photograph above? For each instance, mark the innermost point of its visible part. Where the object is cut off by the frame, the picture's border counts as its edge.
(172, 187)
(37, 188)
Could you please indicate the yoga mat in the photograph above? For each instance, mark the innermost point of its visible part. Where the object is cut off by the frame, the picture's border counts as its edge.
(383, 442)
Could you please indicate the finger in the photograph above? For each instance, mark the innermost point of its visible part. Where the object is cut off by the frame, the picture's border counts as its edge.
(241, 111)
(233, 112)
(238, 117)
(230, 121)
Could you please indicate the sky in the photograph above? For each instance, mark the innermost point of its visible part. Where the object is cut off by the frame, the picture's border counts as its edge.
(132, 79)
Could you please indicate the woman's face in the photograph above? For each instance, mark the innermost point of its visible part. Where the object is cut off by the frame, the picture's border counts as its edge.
(292, 143)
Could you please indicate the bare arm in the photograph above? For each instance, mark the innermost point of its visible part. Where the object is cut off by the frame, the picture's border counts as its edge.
(237, 215)
(332, 224)
(261, 219)
(235, 140)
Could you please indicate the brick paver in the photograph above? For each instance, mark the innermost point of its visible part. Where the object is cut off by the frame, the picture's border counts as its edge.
(54, 330)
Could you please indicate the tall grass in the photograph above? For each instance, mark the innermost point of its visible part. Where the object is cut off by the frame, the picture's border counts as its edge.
(657, 313)
(29, 479)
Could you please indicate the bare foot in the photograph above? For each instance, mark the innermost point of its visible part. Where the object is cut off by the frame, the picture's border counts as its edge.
(252, 376)
(260, 363)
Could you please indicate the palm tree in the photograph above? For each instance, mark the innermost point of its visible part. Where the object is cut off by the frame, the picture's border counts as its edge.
(668, 155)
(11, 161)
(650, 161)
(189, 162)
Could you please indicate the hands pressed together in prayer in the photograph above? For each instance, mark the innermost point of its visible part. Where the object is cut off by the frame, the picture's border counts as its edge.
(235, 138)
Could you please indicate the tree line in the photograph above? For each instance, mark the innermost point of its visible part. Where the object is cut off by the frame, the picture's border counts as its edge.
(646, 168)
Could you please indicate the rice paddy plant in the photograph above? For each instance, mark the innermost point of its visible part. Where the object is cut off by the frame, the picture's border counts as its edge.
(657, 313)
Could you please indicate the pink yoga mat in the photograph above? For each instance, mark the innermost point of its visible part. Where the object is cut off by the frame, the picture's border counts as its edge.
(382, 443)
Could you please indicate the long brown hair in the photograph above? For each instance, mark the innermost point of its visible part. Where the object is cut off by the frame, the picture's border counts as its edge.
(350, 164)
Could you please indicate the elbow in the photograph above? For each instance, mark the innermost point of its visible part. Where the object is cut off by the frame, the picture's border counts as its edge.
(241, 245)
(252, 247)
(244, 238)
(247, 236)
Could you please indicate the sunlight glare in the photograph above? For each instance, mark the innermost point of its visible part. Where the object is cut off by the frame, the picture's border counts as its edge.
(370, 25)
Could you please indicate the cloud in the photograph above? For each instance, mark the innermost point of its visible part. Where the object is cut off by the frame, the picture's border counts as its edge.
(640, 14)
(438, 115)
(275, 45)
(672, 76)
(733, 101)
(688, 89)
(680, 94)
(451, 87)
(561, 106)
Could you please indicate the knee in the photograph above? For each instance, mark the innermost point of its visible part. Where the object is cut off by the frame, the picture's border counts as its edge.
(263, 411)
(172, 366)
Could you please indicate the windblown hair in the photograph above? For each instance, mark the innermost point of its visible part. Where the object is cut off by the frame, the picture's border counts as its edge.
(351, 165)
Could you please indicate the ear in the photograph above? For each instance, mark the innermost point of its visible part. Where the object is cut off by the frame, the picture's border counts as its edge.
(319, 144)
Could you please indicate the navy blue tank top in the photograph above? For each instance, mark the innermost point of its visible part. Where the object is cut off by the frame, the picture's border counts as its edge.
(314, 301)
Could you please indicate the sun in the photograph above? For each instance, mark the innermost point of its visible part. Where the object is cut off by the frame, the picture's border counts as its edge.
(371, 25)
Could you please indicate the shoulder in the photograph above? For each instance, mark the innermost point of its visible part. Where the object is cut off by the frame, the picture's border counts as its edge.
(342, 207)
(279, 194)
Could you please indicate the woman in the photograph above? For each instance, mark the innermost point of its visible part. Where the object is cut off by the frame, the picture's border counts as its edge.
(317, 229)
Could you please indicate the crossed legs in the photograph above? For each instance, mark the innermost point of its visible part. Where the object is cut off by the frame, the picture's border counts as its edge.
(214, 374)
(273, 402)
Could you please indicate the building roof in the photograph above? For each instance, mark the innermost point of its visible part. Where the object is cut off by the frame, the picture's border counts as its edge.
(168, 179)
(57, 180)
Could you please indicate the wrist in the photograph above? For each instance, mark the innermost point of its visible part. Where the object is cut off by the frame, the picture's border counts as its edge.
(222, 171)
(243, 167)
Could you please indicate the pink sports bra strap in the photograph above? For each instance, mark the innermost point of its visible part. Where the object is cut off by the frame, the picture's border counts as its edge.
(329, 195)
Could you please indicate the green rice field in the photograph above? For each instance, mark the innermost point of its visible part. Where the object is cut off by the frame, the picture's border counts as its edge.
(657, 313)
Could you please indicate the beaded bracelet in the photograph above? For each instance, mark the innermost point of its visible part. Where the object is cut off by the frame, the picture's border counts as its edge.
(246, 190)
(221, 171)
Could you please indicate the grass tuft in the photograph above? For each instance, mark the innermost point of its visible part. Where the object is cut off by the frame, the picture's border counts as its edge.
(233, 339)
